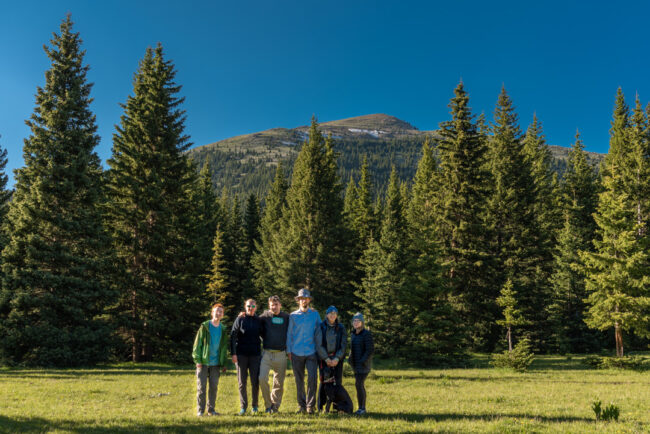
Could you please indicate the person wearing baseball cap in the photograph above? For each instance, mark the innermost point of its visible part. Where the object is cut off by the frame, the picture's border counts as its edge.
(301, 349)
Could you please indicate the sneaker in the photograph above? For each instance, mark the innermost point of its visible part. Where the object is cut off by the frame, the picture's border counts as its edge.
(310, 410)
(360, 412)
(212, 413)
(254, 410)
(199, 413)
(241, 412)
(301, 411)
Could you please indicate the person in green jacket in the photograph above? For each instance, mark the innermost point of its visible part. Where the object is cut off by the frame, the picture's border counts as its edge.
(210, 353)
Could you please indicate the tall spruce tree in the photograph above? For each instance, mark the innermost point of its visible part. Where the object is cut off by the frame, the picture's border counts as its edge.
(208, 216)
(618, 280)
(384, 285)
(456, 210)
(152, 218)
(5, 196)
(269, 252)
(638, 172)
(315, 242)
(579, 197)
(217, 287)
(364, 222)
(512, 219)
(349, 201)
(55, 289)
(251, 227)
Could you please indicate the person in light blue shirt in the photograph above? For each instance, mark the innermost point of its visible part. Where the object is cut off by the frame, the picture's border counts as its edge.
(301, 348)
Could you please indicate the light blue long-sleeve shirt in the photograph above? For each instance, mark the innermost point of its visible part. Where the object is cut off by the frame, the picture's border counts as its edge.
(300, 336)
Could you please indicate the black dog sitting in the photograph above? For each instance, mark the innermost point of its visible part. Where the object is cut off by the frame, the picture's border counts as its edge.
(336, 393)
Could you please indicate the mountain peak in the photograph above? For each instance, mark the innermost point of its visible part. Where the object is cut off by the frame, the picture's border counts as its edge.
(378, 121)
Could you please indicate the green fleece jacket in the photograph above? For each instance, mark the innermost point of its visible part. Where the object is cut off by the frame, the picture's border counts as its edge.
(201, 349)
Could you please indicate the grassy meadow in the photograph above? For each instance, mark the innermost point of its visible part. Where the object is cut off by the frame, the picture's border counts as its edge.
(554, 396)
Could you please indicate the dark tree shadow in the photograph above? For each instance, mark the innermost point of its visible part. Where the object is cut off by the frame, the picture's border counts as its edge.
(421, 417)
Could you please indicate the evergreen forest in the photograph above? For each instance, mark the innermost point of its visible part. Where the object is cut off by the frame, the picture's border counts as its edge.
(465, 240)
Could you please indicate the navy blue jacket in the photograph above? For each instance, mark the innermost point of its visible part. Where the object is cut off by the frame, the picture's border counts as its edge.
(361, 349)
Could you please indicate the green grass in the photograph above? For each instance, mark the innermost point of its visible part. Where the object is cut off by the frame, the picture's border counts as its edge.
(555, 396)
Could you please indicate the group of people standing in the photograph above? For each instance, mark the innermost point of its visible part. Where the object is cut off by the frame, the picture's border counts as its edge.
(259, 344)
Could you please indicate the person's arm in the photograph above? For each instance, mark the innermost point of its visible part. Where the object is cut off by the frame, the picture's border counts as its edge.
(351, 360)
(340, 352)
(197, 348)
(318, 340)
(290, 336)
(262, 327)
(233, 339)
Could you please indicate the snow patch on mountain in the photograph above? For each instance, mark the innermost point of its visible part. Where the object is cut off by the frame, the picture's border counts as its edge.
(374, 133)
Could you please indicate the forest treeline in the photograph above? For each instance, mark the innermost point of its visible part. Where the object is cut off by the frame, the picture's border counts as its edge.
(251, 170)
(123, 263)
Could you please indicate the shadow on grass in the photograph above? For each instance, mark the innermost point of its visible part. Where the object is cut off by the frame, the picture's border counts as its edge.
(293, 424)
(100, 371)
(199, 425)
(421, 417)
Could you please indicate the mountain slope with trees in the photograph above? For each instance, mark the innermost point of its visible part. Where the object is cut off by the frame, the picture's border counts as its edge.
(246, 164)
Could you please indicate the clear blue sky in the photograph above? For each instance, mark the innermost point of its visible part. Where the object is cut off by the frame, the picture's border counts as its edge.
(247, 66)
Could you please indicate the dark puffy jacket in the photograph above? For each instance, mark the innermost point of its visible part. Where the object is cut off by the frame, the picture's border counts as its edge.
(361, 349)
(330, 339)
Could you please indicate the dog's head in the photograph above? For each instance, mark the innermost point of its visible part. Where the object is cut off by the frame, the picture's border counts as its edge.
(328, 375)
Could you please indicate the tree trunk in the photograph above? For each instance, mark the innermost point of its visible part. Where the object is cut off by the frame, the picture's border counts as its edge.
(509, 336)
(618, 335)
(136, 341)
(136, 348)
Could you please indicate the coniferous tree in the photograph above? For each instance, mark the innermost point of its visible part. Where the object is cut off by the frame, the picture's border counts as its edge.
(618, 280)
(5, 196)
(152, 218)
(364, 220)
(251, 227)
(512, 219)
(312, 235)
(269, 248)
(437, 328)
(384, 285)
(546, 204)
(55, 288)
(457, 208)
(208, 217)
(349, 202)
(566, 308)
(638, 172)
(217, 287)
(512, 317)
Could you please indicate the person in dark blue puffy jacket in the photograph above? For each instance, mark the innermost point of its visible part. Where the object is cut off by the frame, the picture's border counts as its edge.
(361, 349)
